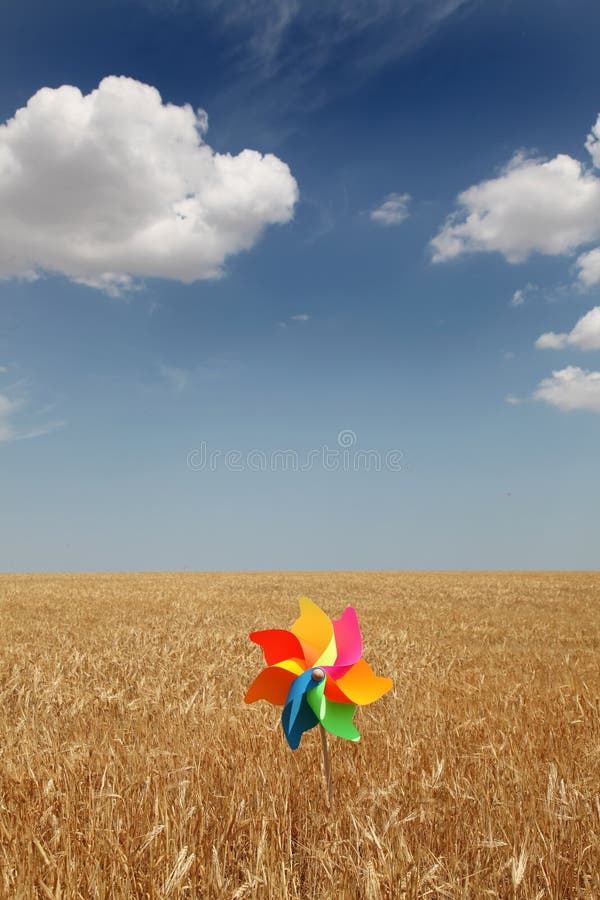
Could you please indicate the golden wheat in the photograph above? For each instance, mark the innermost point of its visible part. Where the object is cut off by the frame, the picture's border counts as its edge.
(130, 767)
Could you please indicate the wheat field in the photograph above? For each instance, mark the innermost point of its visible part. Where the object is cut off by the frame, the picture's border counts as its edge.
(131, 768)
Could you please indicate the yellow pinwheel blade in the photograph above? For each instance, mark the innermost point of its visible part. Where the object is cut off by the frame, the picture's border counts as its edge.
(292, 665)
(314, 630)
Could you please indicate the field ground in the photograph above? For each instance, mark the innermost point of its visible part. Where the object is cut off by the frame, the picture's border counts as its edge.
(130, 767)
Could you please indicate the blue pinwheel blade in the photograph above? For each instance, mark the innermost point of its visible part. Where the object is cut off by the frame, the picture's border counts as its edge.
(297, 716)
(304, 720)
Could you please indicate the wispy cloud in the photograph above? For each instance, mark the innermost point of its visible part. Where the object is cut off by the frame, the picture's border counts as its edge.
(316, 30)
(521, 295)
(212, 369)
(299, 317)
(392, 211)
(17, 420)
(291, 42)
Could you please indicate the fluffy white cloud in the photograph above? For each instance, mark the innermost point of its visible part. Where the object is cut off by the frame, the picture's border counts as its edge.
(589, 267)
(548, 206)
(585, 334)
(551, 207)
(115, 185)
(393, 210)
(571, 388)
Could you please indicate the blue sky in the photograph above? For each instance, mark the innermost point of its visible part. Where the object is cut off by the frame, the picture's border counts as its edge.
(407, 254)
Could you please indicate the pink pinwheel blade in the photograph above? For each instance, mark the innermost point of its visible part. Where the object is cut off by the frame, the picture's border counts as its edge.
(348, 639)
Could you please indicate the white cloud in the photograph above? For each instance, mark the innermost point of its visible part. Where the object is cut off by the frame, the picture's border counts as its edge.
(3, 370)
(522, 294)
(570, 389)
(299, 317)
(589, 267)
(512, 400)
(550, 207)
(114, 284)
(115, 185)
(393, 210)
(585, 334)
(592, 144)
(534, 205)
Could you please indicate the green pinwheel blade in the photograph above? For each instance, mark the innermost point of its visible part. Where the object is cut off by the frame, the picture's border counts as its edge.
(336, 718)
(316, 699)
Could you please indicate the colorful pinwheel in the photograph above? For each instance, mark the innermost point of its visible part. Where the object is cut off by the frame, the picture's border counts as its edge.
(316, 672)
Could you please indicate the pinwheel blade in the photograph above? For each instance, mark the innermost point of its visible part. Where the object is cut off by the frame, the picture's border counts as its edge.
(314, 630)
(277, 645)
(336, 718)
(333, 692)
(348, 639)
(295, 725)
(272, 684)
(362, 686)
(292, 665)
(298, 715)
(316, 700)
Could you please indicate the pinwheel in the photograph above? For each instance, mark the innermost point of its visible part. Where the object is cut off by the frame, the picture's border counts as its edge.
(315, 671)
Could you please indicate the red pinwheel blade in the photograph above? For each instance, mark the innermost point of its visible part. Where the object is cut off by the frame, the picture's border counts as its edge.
(277, 645)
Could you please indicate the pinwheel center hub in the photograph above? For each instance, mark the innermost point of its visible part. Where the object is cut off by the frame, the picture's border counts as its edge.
(318, 675)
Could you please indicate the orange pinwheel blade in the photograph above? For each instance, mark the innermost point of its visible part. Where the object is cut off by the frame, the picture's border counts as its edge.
(361, 685)
(272, 684)
(333, 692)
(314, 630)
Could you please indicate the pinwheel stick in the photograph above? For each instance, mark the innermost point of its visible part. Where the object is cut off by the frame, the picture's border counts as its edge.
(326, 762)
(319, 675)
